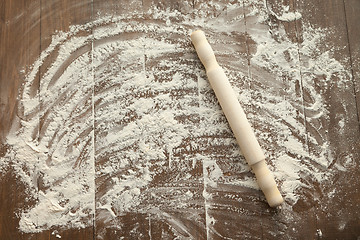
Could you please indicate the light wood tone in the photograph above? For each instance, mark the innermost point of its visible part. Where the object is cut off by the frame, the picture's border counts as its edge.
(237, 119)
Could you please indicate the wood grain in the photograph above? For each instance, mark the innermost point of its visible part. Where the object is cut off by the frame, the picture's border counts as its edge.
(332, 16)
(289, 86)
(234, 212)
(305, 206)
(226, 207)
(59, 15)
(20, 46)
(154, 217)
(353, 34)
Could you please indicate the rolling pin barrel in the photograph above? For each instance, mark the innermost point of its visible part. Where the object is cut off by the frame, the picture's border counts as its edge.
(237, 119)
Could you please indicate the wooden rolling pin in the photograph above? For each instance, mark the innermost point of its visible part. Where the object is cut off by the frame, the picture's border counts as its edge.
(237, 119)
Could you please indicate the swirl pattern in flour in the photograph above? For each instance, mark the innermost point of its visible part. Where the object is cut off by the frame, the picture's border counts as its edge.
(125, 123)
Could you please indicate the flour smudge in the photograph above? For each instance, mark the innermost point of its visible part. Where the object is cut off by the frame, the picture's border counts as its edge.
(125, 122)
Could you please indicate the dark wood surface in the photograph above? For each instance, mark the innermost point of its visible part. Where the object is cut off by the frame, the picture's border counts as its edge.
(26, 28)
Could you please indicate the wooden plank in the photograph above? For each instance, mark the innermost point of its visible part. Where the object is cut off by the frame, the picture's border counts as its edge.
(106, 225)
(285, 82)
(59, 16)
(158, 211)
(337, 92)
(20, 41)
(15, 52)
(229, 206)
(352, 8)
(279, 80)
(323, 129)
(184, 212)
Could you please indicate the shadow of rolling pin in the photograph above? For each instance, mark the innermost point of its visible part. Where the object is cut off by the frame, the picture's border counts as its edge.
(237, 119)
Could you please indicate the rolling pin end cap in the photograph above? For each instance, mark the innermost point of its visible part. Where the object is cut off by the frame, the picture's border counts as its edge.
(275, 200)
(267, 183)
(197, 31)
(197, 36)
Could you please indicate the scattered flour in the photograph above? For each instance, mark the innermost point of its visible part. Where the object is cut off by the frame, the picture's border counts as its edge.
(286, 16)
(319, 233)
(129, 102)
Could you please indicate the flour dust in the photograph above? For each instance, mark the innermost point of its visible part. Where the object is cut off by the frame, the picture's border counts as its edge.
(125, 121)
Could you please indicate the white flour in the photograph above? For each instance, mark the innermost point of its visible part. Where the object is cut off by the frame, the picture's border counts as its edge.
(143, 89)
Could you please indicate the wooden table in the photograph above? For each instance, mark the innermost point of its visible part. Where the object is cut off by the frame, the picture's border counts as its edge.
(324, 210)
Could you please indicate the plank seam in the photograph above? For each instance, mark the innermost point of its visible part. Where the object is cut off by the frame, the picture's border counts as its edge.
(351, 64)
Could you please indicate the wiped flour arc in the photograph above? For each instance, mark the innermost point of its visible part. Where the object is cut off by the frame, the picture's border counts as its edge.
(161, 143)
(140, 122)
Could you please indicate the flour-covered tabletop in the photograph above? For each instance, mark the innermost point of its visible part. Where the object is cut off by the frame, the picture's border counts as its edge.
(111, 130)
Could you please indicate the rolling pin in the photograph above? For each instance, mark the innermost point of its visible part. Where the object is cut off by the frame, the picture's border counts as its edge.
(236, 117)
